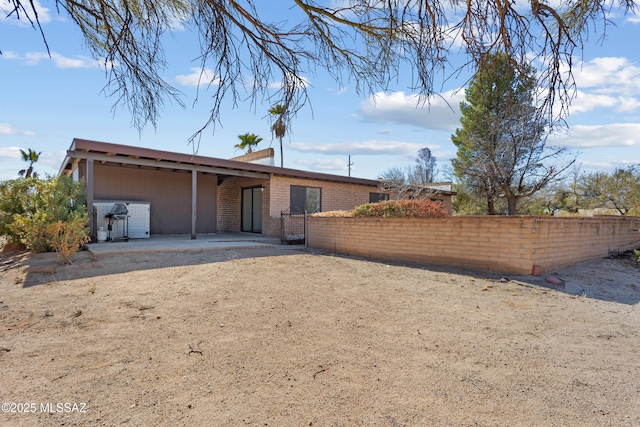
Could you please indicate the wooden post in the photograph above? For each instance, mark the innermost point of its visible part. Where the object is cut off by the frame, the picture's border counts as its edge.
(194, 204)
(88, 181)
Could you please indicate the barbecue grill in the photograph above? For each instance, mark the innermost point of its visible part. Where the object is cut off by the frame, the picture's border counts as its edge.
(119, 214)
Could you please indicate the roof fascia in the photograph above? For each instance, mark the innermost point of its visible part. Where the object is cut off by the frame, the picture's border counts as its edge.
(82, 146)
(164, 164)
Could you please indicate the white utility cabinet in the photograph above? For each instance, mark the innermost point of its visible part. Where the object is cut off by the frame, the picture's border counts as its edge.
(139, 213)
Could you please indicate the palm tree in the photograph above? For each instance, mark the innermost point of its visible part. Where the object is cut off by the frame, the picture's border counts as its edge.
(279, 128)
(31, 157)
(247, 141)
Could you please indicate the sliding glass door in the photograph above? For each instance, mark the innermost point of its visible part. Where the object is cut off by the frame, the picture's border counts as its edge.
(252, 210)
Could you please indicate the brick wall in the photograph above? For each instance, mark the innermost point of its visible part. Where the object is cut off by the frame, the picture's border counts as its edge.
(275, 199)
(230, 202)
(502, 244)
(336, 196)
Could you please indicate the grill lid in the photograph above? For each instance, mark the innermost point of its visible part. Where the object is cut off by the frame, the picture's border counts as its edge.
(119, 209)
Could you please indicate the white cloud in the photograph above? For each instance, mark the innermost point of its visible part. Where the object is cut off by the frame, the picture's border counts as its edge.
(7, 129)
(323, 165)
(599, 165)
(634, 19)
(11, 161)
(584, 102)
(6, 7)
(608, 76)
(9, 55)
(52, 160)
(438, 113)
(627, 104)
(11, 153)
(81, 62)
(599, 136)
(177, 20)
(606, 83)
(60, 61)
(198, 77)
(364, 148)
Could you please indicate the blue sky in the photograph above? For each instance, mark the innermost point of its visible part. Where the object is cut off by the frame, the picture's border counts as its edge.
(47, 101)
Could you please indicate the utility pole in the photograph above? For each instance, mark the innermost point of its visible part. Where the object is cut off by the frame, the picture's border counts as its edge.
(349, 164)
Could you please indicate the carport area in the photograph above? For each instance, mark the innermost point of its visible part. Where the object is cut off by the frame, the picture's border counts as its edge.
(180, 191)
(184, 243)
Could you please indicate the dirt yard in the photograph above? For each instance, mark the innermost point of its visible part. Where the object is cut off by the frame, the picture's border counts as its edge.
(273, 337)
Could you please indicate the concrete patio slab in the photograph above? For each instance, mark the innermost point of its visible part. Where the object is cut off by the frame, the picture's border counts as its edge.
(163, 243)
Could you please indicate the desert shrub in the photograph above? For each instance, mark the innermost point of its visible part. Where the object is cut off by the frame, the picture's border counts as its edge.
(384, 208)
(402, 208)
(45, 215)
(15, 198)
(30, 228)
(67, 236)
(341, 214)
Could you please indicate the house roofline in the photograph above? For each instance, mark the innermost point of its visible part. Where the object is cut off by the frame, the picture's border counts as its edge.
(118, 153)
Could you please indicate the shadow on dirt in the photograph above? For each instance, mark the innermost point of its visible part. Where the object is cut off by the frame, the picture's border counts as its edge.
(33, 269)
(615, 279)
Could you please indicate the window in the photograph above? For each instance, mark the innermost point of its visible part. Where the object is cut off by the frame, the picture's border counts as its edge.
(305, 198)
(377, 197)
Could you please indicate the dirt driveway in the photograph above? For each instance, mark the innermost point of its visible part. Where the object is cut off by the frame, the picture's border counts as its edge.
(266, 337)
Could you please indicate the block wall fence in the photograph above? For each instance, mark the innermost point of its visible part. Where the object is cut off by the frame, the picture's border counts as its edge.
(502, 244)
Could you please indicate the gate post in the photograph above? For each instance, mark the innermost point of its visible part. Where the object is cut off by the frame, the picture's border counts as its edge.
(306, 230)
(282, 228)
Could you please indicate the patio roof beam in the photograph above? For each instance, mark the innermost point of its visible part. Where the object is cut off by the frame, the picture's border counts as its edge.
(164, 164)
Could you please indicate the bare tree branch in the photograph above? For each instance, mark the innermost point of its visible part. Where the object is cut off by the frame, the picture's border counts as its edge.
(366, 42)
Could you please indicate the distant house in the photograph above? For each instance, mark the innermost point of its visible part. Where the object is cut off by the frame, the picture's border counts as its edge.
(190, 194)
(435, 191)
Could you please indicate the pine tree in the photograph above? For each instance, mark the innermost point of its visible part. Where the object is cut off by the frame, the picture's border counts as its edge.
(502, 150)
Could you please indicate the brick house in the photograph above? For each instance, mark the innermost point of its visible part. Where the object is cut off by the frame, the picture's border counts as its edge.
(190, 194)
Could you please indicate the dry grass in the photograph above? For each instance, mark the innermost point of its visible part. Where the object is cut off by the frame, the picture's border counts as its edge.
(337, 214)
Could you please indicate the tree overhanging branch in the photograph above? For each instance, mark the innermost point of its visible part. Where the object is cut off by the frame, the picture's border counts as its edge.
(365, 42)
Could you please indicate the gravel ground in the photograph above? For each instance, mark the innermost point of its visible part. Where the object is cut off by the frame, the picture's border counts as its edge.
(266, 337)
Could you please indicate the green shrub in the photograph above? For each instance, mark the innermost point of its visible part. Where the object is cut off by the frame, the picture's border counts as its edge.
(45, 215)
(15, 198)
(31, 229)
(67, 236)
(402, 208)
